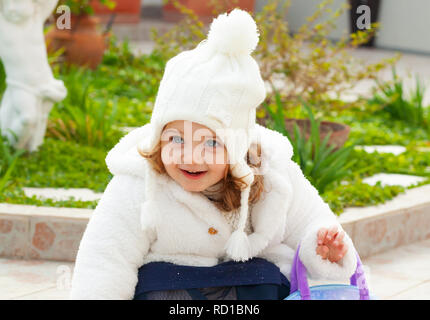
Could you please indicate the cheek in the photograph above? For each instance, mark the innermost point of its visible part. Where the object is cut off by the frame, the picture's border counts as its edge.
(171, 154)
(216, 156)
(173, 172)
(166, 160)
(218, 170)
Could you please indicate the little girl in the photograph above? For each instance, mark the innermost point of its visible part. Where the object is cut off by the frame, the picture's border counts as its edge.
(204, 202)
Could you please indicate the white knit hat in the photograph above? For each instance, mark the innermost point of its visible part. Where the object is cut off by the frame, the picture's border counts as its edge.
(218, 85)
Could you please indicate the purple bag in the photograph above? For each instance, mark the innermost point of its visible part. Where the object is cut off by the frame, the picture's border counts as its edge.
(299, 290)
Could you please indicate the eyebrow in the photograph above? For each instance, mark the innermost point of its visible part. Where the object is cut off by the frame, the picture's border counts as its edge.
(180, 130)
(173, 129)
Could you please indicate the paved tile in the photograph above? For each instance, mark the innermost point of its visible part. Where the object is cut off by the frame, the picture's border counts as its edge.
(394, 149)
(403, 272)
(53, 293)
(58, 194)
(19, 278)
(410, 262)
(419, 292)
(391, 179)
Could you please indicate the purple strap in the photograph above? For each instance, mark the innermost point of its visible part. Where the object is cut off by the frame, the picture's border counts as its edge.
(299, 279)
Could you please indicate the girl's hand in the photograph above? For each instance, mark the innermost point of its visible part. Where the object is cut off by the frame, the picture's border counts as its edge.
(331, 244)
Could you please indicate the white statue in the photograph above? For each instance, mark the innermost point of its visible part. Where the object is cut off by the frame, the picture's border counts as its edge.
(31, 88)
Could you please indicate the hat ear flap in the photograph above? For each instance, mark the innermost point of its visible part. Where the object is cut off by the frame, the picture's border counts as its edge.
(242, 170)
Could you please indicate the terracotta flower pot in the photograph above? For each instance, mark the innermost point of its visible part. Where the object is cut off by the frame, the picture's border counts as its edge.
(338, 137)
(203, 9)
(126, 11)
(84, 44)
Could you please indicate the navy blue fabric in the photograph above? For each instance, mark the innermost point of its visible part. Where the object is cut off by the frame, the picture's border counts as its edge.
(254, 279)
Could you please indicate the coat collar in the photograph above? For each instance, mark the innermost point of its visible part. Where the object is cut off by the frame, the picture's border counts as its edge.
(196, 202)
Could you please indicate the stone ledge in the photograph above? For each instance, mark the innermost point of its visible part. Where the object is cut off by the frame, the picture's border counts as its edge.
(400, 221)
(36, 211)
(31, 232)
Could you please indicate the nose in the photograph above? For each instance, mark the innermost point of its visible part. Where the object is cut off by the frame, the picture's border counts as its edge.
(193, 153)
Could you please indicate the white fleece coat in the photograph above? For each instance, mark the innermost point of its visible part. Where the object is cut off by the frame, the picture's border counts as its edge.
(115, 245)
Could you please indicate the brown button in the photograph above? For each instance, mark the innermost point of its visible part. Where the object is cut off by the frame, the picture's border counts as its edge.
(212, 230)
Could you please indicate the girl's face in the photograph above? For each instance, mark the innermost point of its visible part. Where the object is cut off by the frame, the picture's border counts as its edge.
(191, 147)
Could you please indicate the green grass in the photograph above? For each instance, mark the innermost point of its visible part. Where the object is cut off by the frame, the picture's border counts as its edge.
(353, 192)
(359, 194)
(8, 159)
(63, 164)
(376, 128)
(57, 164)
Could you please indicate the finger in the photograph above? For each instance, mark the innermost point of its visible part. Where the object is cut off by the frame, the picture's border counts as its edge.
(338, 240)
(334, 231)
(322, 231)
(321, 235)
(331, 233)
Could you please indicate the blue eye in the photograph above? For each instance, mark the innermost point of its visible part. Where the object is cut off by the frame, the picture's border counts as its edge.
(176, 141)
(213, 145)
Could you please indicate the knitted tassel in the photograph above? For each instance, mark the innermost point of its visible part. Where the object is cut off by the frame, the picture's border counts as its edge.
(238, 247)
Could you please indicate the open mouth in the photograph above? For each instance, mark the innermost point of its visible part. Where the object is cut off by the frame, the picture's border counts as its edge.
(193, 174)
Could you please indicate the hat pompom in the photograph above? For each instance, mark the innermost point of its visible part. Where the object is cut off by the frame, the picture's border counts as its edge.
(234, 33)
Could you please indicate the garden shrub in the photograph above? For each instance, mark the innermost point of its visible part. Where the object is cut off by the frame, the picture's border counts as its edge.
(320, 163)
(390, 97)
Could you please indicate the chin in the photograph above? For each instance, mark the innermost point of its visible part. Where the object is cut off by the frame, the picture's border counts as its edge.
(192, 188)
